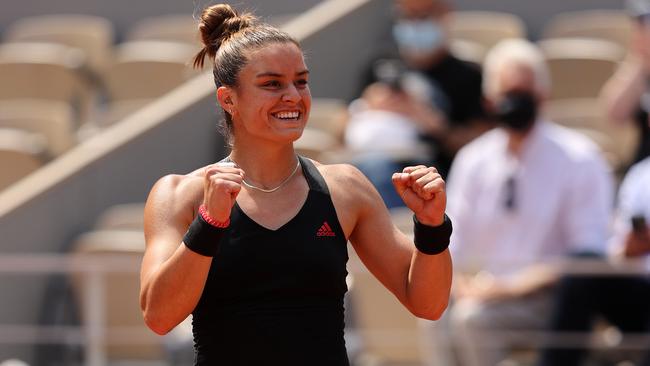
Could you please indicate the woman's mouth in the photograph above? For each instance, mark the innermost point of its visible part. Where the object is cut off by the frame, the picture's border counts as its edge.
(287, 116)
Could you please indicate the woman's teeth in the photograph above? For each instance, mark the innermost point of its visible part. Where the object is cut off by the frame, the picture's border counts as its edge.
(287, 115)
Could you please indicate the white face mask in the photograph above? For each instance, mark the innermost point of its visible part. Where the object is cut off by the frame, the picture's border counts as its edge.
(418, 37)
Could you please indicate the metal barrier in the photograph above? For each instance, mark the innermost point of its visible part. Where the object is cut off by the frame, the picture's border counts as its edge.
(93, 333)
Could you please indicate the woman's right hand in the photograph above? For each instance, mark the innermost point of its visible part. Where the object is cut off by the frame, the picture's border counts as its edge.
(220, 189)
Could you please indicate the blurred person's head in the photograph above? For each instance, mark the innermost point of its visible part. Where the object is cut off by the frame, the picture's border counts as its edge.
(638, 8)
(420, 31)
(516, 82)
(259, 72)
(400, 92)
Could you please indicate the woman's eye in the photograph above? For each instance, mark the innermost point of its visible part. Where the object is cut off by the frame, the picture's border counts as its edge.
(273, 84)
(301, 82)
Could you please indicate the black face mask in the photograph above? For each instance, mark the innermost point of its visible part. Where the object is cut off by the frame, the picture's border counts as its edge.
(517, 111)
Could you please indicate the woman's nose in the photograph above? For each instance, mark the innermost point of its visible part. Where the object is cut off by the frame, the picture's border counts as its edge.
(291, 94)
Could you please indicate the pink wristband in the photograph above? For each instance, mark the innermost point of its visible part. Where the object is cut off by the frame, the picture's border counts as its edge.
(204, 213)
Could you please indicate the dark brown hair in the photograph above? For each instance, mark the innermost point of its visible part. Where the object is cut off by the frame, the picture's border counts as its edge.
(227, 38)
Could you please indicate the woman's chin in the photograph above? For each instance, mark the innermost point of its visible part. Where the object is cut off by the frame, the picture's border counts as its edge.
(288, 134)
(293, 129)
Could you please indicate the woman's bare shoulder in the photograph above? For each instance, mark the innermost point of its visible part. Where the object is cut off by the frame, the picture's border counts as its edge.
(176, 194)
(346, 180)
(180, 185)
(341, 172)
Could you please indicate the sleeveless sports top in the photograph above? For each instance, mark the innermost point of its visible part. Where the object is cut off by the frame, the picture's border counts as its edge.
(275, 297)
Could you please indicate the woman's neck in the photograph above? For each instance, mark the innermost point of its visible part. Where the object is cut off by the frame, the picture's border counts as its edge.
(265, 167)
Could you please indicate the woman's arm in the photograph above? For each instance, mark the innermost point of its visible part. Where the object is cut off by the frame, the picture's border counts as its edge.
(420, 282)
(173, 276)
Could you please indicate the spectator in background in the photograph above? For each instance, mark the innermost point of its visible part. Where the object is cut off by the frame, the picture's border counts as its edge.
(521, 196)
(622, 301)
(422, 45)
(627, 94)
(384, 125)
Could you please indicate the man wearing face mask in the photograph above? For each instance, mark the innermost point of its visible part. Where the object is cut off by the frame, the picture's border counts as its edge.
(522, 196)
(421, 38)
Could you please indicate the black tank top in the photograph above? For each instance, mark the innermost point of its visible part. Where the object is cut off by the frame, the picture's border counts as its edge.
(275, 297)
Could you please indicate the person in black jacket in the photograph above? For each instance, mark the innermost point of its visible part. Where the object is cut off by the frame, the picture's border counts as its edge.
(422, 45)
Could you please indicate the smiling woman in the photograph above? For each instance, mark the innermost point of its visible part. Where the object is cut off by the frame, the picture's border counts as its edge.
(273, 87)
(255, 246)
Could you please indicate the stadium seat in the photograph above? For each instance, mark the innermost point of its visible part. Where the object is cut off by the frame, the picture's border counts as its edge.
(119, 109)
(328, 115)
(172, 27)
(314, 143)
(579, 67)
(20, 154)
(587, 115)
(148, 69)
(91, 34)
(44, 71)
(127, 216)
(402, 217)
(52, 119)
(469, 51)
(485, 28)
(387, 339)
(127, 337)
(610, 25)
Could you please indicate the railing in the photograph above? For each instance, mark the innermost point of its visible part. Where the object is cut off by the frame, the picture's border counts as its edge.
(93, 333)
(388, 332)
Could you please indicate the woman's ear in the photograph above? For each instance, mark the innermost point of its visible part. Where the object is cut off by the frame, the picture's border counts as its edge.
(225, 99)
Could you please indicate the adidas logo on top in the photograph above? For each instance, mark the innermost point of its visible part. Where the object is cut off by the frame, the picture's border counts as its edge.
(325, 230)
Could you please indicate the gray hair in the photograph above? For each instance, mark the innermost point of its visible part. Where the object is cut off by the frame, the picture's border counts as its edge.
(514, 51)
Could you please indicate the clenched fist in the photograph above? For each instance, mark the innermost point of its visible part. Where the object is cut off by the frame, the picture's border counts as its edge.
(220, 189)
(423, 191)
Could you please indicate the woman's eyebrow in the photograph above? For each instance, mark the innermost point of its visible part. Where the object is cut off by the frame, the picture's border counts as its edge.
(275, 74)
(268, 74)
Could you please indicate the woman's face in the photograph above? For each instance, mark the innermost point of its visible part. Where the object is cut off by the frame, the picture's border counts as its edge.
(272, 100)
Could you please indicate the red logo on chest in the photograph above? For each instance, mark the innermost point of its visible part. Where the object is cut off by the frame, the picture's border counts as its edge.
(325, 230)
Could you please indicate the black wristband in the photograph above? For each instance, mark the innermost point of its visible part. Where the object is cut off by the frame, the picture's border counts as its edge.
(203, 238)
(432, 239)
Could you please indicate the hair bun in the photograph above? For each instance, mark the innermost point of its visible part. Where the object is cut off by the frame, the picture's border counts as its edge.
(218, 23)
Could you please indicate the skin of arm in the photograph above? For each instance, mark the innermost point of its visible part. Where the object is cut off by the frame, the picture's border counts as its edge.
(621, 93)
(172, 276)
(636, 244)
(420, 282)
(168, 267)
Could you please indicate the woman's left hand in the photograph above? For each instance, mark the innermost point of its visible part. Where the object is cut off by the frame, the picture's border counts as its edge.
(423, 191)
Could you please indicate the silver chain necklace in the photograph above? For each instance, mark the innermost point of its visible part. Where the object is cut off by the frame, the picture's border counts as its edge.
(282, 184)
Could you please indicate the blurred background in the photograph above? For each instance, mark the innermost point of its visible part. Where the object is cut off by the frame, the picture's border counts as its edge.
(97, 101)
